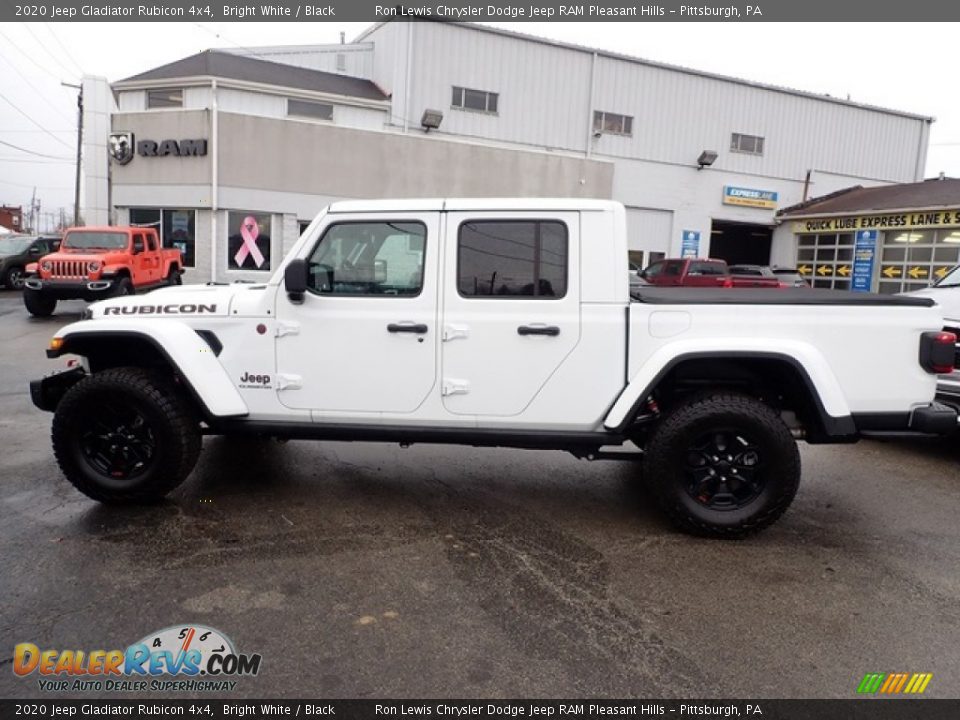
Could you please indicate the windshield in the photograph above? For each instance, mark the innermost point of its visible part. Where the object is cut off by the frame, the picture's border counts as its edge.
(14, 245)
(951, 279)
(86, 240)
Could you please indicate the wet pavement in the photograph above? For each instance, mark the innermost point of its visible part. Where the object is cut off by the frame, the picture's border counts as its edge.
(367, 570)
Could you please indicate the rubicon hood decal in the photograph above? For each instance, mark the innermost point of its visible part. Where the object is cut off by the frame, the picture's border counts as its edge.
(167, 309)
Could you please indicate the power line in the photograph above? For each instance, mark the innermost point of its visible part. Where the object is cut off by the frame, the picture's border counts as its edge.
(28, 56)
(15, 107)
(34, 152)
(63, 47)
(46, 49)
(27, 80)
(30, 185)
(36, 162)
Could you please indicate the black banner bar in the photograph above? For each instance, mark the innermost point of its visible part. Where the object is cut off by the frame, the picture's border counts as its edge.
(204, 707)
(478, 11)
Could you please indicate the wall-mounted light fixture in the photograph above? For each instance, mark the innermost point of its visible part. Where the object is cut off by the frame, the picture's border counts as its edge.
(431, 120)
(706, 159)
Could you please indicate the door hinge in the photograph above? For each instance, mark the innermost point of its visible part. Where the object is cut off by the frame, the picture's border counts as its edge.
(287, 328)
(289, 382)
(452, 332)
(454, 387)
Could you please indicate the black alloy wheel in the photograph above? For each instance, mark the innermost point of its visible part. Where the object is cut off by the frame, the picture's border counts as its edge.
(119, 441)
(724, 470)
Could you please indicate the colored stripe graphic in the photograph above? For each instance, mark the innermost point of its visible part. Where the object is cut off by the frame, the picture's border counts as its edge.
(894, 683)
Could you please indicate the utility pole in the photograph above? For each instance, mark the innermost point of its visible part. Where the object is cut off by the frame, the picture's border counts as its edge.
(76, 187)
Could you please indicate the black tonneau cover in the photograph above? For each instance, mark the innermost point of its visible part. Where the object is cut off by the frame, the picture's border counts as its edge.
(769, 296)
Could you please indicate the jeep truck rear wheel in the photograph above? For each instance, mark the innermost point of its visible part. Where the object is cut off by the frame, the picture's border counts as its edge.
(722, 465)
(125, 435)
(38, 304)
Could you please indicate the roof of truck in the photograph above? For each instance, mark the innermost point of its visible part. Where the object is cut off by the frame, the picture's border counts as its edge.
(454, 204)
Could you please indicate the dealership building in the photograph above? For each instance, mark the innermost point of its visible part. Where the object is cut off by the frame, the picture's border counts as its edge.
(227, 148)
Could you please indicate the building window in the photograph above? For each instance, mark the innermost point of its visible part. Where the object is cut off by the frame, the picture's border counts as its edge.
(177, 229)
(164, 98)
(478, 100)
(248, 241)
(363, 259)
(914, 259)
(307, 109)
(612, 123)
(512, 259)
(826, 260)
(749, 144)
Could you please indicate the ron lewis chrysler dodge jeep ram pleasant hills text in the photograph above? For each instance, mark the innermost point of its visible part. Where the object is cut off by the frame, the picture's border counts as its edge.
(495, 323)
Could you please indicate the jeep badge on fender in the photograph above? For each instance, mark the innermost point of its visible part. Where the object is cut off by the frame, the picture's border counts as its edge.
(502, 323)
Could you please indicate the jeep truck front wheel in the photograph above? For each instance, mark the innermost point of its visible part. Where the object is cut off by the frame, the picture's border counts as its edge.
(38, 304)
(125, 435)
(722, 465)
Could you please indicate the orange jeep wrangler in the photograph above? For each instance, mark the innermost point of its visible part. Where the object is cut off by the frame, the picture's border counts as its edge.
(100, 262)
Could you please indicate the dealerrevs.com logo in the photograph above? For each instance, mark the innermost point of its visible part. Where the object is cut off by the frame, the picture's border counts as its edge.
(181, 658)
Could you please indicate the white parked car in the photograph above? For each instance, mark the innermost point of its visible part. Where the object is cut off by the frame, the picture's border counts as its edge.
(494, 323)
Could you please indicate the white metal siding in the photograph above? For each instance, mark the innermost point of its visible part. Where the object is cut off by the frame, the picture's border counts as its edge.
(544, 101)
(543, 91)
(357, 58)
(247, 102)
(649, 230)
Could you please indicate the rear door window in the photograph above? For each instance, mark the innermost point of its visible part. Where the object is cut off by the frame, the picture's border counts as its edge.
(512, 259)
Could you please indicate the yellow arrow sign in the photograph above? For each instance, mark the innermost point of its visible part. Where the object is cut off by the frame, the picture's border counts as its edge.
(804, 269)
(823, 270)
(843, 270)
(917, 272)
(940, 272)
(890, 271)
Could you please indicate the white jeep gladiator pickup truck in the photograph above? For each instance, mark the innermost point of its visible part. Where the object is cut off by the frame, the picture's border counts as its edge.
(494, 323)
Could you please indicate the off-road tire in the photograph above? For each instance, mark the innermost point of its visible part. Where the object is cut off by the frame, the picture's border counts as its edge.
(174, 277)
(123, 287)
(164, 408)
(38, 304)
(13, 278)
(667, 459)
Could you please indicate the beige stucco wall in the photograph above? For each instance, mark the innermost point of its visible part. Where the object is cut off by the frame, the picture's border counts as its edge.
(316, 159)
(160, 125)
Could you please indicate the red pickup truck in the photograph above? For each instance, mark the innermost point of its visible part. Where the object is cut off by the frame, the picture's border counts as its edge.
(702, 272)
(99, 262)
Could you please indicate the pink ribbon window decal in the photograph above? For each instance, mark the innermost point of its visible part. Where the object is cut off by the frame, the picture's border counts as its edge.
(249, 231)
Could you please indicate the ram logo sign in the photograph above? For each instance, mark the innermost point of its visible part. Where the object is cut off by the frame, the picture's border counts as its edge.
(123, 147)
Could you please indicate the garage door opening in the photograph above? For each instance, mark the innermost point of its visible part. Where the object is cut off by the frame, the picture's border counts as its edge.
(740, 243)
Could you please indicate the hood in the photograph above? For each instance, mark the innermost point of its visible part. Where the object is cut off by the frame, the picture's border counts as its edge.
(104, 256)
(186, 300)
(948, 298)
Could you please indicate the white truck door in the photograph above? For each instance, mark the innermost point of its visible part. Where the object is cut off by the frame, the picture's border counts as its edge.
(364, 339)
(511, 308)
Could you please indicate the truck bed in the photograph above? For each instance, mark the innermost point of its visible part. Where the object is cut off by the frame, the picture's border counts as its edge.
(767, 296)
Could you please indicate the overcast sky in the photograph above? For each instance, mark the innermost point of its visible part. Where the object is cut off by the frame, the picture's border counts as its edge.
(877, 64)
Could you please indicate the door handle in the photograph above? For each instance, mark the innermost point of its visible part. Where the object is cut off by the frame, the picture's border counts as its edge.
(551, 330)
(418, 328)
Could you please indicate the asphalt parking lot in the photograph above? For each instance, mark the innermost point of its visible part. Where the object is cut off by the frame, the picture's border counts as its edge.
(364, 571)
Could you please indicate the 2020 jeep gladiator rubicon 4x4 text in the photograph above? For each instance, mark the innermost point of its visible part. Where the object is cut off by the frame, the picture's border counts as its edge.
(494, 323)
(93, 263)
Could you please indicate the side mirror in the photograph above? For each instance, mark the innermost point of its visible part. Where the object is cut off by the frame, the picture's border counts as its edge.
(295, 279)
(642, 274)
